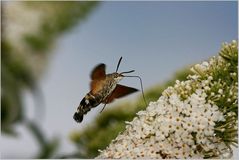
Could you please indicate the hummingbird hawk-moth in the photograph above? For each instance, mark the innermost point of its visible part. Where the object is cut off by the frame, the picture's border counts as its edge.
(104, 88)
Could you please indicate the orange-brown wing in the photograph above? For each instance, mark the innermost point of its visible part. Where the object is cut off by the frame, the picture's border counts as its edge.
(97, 75)
(96, 85)
(120, 91)
(98, 72)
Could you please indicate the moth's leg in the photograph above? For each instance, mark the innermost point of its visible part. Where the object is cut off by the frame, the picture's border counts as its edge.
(107, 100)
(103, 108)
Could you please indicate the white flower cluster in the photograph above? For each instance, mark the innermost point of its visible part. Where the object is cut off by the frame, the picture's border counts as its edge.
(184, 121)
(169, 128)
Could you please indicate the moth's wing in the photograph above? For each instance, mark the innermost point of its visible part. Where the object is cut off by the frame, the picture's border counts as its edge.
(97, 75)
(119, 91)
(96, 85)
(98, 72)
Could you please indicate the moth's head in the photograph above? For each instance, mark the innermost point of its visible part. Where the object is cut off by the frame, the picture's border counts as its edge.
(117, 76)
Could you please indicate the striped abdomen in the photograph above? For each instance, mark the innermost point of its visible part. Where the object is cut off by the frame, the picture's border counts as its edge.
(88, 102)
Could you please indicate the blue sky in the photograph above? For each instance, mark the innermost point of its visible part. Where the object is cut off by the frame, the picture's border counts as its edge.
(154, 38)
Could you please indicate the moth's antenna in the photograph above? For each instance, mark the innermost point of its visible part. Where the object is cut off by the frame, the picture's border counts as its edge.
(142, 89)
(127, 72)
(118, 64)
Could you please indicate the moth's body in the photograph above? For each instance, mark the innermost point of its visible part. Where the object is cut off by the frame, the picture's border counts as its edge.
(104, 89)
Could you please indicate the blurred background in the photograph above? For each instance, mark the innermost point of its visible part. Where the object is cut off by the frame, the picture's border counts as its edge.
(48, 50)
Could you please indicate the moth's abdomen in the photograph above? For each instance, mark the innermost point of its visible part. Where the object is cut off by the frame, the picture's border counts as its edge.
(88, 102)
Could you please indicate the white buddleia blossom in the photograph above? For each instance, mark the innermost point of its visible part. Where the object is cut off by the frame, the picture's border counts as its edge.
(183, 123)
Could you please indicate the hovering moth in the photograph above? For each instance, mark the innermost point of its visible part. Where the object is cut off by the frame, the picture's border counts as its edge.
(104, 88)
